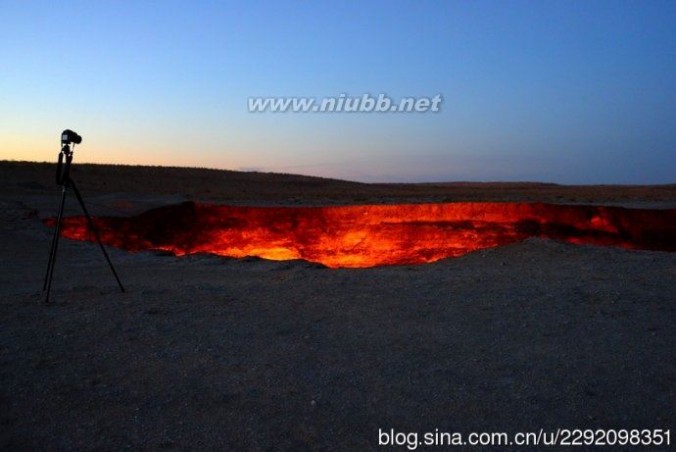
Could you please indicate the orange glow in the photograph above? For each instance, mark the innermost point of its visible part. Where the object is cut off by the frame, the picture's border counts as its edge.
(374, 235)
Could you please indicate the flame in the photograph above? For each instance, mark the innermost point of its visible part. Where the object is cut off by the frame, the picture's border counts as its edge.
(374, 235)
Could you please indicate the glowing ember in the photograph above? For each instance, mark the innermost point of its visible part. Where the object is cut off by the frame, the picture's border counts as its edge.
(373, 235)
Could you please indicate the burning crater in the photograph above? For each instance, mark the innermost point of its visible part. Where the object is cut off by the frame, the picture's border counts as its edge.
(373, 235)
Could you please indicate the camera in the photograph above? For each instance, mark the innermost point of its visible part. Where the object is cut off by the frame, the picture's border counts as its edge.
(68, 136)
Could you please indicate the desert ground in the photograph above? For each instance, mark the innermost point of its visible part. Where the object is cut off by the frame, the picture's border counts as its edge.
(205, 352)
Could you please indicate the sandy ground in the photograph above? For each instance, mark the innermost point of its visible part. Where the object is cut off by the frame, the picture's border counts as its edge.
(210, 353)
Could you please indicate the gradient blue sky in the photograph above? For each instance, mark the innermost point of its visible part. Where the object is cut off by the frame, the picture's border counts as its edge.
(556, 91)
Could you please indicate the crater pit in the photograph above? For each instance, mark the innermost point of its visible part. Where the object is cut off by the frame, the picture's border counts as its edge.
(374, 235)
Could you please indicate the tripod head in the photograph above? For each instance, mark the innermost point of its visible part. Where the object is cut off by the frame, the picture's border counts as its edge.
(63, 169)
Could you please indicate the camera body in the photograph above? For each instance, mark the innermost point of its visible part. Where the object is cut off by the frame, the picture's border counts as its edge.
(68, 137)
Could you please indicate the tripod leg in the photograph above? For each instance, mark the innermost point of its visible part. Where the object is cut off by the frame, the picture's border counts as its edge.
(52, 250)
(95, 230)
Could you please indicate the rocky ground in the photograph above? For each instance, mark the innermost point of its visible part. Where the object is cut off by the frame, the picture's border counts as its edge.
(213, 353)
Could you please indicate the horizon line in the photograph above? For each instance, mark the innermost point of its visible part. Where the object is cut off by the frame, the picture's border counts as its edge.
(466, 182)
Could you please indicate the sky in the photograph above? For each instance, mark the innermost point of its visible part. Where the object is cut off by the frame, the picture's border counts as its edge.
(577, 92)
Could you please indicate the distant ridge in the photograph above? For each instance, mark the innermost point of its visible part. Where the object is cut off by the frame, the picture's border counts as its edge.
(241, 186)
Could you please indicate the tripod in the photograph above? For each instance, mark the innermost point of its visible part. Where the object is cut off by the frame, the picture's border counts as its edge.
(63, 179)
